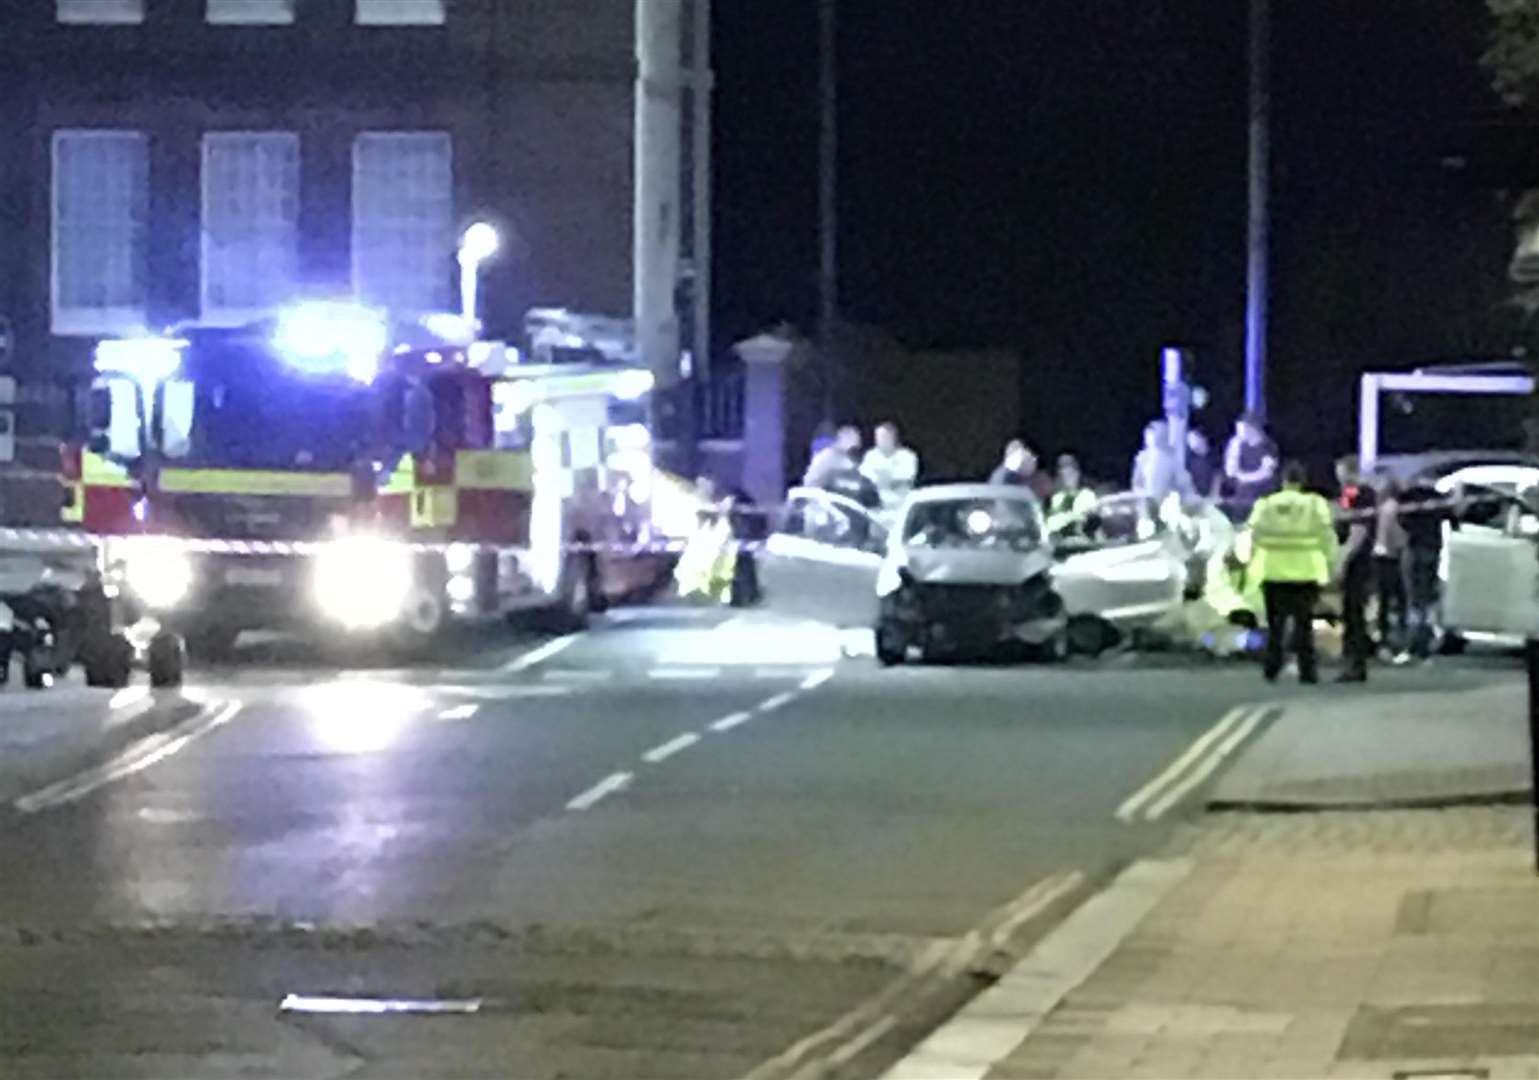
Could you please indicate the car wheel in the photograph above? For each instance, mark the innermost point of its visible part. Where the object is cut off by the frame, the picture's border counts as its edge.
(1054, 650)
(111, 663)
(1088, 635)
(167, 660)
(889, 646)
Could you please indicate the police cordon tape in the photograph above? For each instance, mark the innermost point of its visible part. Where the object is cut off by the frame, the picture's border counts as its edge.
(23, 541)
(32, 540)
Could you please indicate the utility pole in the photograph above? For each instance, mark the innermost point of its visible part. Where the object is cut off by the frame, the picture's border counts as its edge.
(828, 209)
(701, 89)
(1256, 265)
(658, 183)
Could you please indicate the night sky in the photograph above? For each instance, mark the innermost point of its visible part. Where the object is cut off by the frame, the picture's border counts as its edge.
(1067, 179)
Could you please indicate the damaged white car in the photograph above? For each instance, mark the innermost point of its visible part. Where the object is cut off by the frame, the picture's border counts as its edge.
(1127, 566)
(968, 570)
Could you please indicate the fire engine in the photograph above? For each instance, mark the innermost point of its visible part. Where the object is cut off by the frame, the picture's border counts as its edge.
(328, 465)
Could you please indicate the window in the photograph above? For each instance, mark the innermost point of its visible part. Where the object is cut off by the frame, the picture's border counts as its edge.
(250, 222)
(100, 203)
(401, 12)
(403, 225)
(251, 12)
(108, 12)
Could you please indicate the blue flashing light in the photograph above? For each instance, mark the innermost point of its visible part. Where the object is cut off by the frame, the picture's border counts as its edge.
(449, 327)
(326, 338)
(147, 360)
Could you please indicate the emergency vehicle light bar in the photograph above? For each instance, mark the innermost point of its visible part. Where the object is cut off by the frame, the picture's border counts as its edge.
(330, 338)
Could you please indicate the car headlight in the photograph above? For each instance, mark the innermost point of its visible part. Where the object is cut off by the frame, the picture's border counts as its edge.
(158, 574)
(362, 581)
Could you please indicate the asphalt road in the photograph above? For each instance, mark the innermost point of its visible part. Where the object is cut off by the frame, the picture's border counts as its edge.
(668, 847)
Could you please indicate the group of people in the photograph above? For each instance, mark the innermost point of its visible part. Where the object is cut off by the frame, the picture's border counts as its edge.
(880, 478)
(1247, 471)
(1384, 542)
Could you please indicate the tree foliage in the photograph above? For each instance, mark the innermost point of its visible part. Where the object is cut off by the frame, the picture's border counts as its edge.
(1512, 57)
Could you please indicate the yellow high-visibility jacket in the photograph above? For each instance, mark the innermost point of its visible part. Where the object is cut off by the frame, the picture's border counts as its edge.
(1293, 537)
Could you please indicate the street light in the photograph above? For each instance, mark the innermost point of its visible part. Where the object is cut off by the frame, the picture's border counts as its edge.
(479, 243)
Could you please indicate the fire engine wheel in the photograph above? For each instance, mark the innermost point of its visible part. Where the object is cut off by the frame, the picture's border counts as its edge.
(426, 614)
(110, 663)
(167, 660)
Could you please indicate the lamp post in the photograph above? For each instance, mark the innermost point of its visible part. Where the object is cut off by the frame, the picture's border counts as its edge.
(479, 243)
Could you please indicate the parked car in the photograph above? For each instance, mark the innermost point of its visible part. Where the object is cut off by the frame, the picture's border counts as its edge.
(1490, 566)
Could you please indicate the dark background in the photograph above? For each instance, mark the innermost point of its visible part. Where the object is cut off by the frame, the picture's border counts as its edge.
(1067, 179)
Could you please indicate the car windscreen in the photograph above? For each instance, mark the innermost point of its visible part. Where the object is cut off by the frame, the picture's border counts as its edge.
(978, 524)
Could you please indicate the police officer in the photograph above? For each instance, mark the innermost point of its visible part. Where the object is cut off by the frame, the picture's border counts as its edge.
(1294, 542)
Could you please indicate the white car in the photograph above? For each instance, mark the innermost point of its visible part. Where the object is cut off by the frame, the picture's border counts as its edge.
(1490, 566)
(1131, 565)
(1126, 568)
(968, 570)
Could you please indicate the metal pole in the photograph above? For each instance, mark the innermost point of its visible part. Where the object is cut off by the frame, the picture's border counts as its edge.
(703, 87)
(659, 184)
(828, 179)
(1531, 655)
(1256, 267)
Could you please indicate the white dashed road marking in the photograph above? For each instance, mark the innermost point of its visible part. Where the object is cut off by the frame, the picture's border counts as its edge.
(727, 723)
(608, 786)
(779, 701)
(503, 693)
(576, 675)
(459, 712)
(616, 782)
(817, 679)
(672, 746)
(672, 673)
(541, 654)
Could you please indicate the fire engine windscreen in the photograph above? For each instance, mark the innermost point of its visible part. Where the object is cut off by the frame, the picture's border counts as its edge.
(249, 410)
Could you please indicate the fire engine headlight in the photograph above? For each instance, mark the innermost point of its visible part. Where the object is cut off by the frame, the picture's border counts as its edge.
(158, 574)
(362, 581)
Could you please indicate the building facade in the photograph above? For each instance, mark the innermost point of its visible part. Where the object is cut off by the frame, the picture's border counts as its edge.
(205, 159)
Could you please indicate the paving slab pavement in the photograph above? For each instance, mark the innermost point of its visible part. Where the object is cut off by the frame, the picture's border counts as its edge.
(1321, 945)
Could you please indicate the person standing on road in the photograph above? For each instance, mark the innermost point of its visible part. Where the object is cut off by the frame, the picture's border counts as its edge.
(1293, 544)
(1389, 554)
(1250, 463)
(1357, 531)
(1423, 513)
(890, 465)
